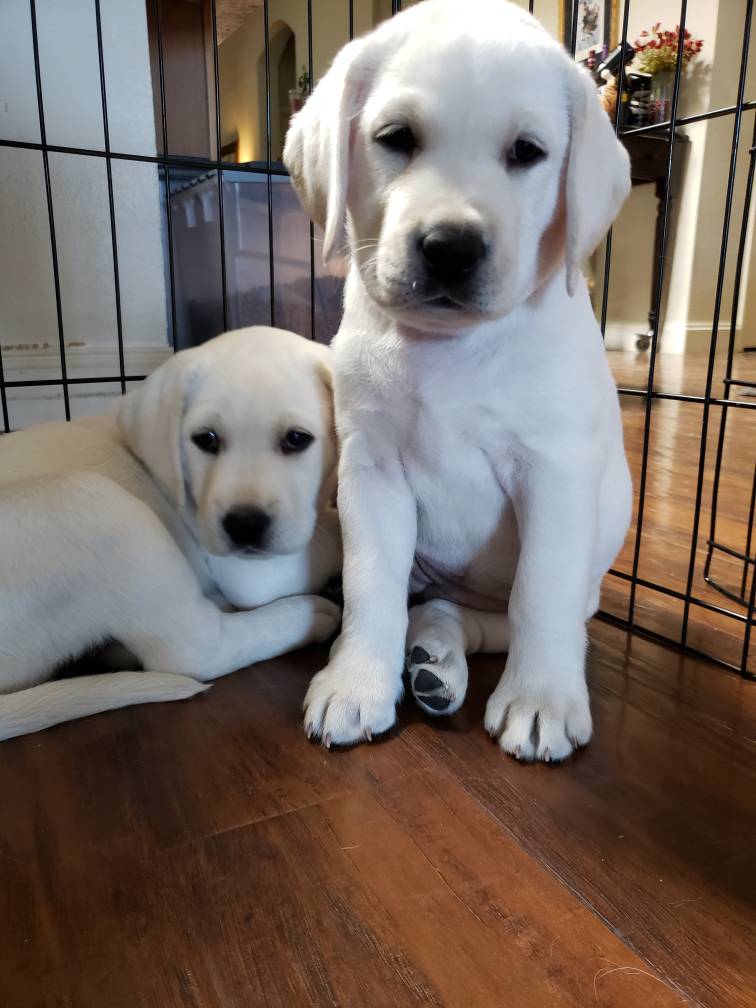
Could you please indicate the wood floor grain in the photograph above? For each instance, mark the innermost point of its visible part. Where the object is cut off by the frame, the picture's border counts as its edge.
(670, 497)
(204, 854)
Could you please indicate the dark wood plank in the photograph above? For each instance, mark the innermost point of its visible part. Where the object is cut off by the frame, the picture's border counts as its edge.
(347, 902)
(652, 824)
(205, 854)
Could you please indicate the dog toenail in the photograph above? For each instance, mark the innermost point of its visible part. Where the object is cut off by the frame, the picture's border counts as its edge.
(368, 735)
(547, 756)
(419, 655)
(435, 703)
(426, 682)
(327, 741)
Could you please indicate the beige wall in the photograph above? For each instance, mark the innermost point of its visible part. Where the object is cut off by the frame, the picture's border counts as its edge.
(696, 225)
(242, 55)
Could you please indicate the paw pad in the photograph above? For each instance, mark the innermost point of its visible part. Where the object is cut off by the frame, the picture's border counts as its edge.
(426, 682)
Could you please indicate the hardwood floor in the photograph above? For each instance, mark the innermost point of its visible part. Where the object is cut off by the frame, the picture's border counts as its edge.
(674, 457)
(204, 855)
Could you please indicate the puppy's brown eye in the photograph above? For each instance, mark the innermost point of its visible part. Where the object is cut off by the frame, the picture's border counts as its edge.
(397, 138)
(207, 441)
(524, 153)
(295, 441)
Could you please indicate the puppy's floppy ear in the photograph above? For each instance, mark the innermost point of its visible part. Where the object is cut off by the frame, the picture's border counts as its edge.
(149, 418)
(323, 366)
(317, 145)
(597, 176)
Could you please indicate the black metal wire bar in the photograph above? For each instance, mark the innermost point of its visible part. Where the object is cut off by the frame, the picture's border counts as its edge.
(531, 5)
(171, 267)
(617, 118)
(728, 380)
(3, 398)
(665, 214)
(158, 8)
(751, 603)
(717, 313)
(724, 590)
(737, 381)
(111, 201)
(310, 64)
(351, 20)
(216, 78)
(748, 559)
(43, 382)
(747, 634)
(720, 547)
(271, 264)
(682, 397)
(652, 635)
(573, 28)
(688, 120)
(50, 210)
(176, 160)
(680, 596)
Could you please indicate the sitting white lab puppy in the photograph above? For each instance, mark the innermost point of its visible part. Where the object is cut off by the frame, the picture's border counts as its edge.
(466, 164)
(211, 486)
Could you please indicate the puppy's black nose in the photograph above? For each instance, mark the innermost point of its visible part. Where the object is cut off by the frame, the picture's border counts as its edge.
(451, 251)
(246, 526)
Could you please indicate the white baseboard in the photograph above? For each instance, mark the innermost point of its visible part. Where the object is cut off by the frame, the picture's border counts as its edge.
(676, 337)
(28, 362)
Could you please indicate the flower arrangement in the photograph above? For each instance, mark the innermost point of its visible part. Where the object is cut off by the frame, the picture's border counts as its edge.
(656, 50)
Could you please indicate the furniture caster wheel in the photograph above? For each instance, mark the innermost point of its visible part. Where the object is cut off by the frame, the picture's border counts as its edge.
(643, 342)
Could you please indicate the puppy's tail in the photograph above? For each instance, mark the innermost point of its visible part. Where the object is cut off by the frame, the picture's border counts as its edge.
(50, 703)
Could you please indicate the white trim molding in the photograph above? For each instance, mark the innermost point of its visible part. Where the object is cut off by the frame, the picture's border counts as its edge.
(677, 337)
(27, 362)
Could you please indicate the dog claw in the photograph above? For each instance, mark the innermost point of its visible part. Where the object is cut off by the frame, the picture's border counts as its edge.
(368, 735)
(327, 741)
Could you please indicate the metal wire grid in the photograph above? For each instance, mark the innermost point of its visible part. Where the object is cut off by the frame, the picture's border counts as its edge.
(165, 160)
(708, 400)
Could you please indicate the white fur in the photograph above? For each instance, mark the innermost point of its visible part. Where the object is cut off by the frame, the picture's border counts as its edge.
(481, 446)
(111, 528)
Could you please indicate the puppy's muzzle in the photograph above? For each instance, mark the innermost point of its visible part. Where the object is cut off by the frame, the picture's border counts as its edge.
(247, 527)
(451, 252)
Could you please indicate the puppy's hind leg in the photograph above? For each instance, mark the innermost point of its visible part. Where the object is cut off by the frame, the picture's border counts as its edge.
(439, 637)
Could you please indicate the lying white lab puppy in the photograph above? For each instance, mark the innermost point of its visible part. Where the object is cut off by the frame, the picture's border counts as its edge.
(467, 165)
(211, 486)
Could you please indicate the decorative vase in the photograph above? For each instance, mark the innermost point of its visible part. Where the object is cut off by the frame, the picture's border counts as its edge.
(662, 88)
(296, 100)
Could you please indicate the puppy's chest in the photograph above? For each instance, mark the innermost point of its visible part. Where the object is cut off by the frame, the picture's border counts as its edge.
(460, 462)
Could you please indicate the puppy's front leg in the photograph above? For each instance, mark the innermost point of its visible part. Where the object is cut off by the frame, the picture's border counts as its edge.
(355, 696)
(540, 708)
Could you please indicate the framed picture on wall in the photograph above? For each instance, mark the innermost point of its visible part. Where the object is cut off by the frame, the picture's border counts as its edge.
(596, 25)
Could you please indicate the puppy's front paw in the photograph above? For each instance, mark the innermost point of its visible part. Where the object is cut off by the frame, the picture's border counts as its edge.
(311, 619)
(347, 703)
(533, 722)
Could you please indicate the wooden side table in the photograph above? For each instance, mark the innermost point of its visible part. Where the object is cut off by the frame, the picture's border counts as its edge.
(649, 153)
